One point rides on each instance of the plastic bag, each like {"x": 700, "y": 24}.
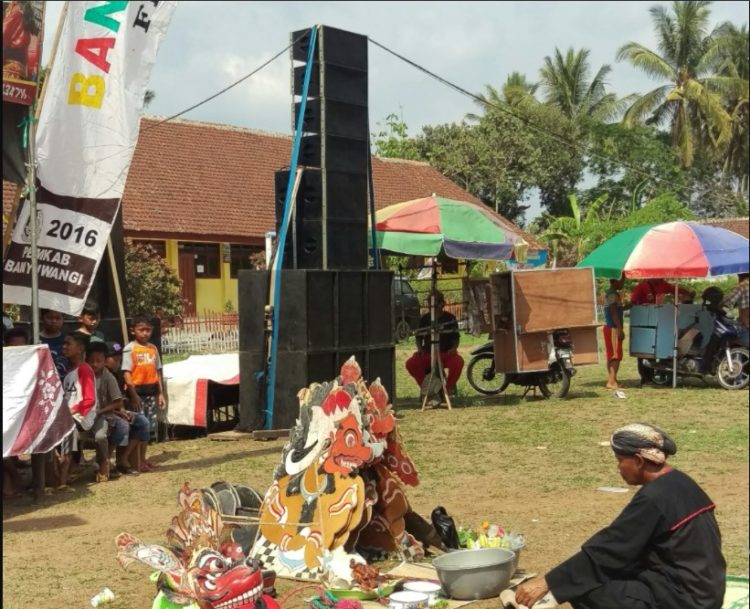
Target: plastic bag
{"x": 445, "y": 527}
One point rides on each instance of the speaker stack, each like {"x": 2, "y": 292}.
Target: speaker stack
{"x": 329, "y": 229}
{"x": 331, "y": 307}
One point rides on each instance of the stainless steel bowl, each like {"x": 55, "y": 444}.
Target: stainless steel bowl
{"x": 470, "y": 575}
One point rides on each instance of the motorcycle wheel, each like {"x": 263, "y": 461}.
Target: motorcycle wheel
{"x": 661, "y": 378}
{"x": 739, "y": 376}
{"x": 403, "y": 330}
{"x": 482, "y": 376}
{"x": 556, "y": 384}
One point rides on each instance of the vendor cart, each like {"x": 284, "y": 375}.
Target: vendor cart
{"x": 528, "y": 306}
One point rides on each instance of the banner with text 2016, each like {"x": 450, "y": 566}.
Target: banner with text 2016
{"x": 87, "y": 132}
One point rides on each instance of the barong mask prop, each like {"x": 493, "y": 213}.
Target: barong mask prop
{"x": 202, "y": 567}
{"x": 327, "y": 488}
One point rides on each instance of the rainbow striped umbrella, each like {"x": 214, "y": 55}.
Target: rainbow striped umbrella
{"x": 674, "y": 249}
{"x": 425, "y": 227}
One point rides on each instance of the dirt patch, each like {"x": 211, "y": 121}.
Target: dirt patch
{"x": 529, "y": 465}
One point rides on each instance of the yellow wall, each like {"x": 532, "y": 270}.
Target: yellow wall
{"x": 210, "y": 294}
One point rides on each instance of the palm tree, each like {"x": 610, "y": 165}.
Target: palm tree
{"x": 733, "y": 64}
{"x": 566, "y": 86}
{"x": 572, "y": 237}
{"x": 690, "y": 98}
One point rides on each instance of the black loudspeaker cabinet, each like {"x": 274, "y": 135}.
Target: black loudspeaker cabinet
{"x": 319, "y": 310}
{"x": 325, "y": 318}
{"x": 297, "y": 369}
{"x": 342, "y": 84}
{"x": 345, "y": 221}
{"x": 337, "y": 47}
{"x": 342, "y": 119}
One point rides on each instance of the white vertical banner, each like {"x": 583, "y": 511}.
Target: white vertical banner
{"x": 86, "y": 137}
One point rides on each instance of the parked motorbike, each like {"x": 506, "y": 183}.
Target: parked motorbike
{"x": 723, "y": 356}
{"x": 553, "y": 382}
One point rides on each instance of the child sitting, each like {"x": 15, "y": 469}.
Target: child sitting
{"x": 139, "y": 426}
{"x": 110, "y": 428}
{"x": 79, "y": 388}
{"x": 50, "y": 334}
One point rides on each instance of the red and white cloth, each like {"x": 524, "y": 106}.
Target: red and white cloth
{"x": 35, "y": 416}
{"x": 187, "y": 384}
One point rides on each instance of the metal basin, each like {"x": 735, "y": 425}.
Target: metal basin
{"x": 470, "y": 575}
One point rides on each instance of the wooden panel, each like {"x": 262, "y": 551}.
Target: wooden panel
{"x": 554, "y": 298}
{"x": 505, "y": 352}
{"x": 533, "y": 352}
{"x": 585, "y": 346}
{"x": 502, "y": 301}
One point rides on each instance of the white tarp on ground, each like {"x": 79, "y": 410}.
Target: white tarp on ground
{"x": 187, "y": 385}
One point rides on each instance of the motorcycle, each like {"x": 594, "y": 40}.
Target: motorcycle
{"x": 553, "y": 382}
{"x": 722, "y": 356}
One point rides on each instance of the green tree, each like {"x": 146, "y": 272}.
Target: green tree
{"x": 689, "y": 99}
{"x": 152, "y": 285}
{"x": 572, "y": 237}
{"x": 393, "y": 141}
{"x": 633, "y": 165}
{"x": 566, "y": 86}
{"x": 732, "y": 58}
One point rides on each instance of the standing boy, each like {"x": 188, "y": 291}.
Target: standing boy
{"x": 50, "y": 334}
{"x": 141, "y": 366}
{"x": 90, "y": 322}
{"x": 614, "y": 331}
{"x": 79, "y": 388}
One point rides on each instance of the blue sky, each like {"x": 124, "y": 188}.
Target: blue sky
{"x": 210, "y": 45}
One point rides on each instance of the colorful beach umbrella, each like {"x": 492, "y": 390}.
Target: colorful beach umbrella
{"x": 671, "y": 250}
{"x": 425, "y": 227}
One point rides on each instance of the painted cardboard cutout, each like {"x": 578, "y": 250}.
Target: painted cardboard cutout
{"x": 340, "y": 476}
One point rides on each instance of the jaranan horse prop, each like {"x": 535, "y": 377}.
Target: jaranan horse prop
{"x": 340, "y": 486}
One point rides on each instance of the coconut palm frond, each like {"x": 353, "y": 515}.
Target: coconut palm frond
{"x": 646, "y": 60}
{"x": 645, "y": 105}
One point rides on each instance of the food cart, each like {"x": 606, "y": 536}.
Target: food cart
{"x": 529, "y": 305}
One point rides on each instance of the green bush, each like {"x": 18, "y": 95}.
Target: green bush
{"x": 152, "y": 285}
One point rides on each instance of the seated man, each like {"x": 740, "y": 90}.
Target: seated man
{"x": 418, "y": 365}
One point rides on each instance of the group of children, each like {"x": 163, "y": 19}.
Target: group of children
{"x": 115, "y": 394}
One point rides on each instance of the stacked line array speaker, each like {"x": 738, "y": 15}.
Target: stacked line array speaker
{"x": 329, "y": 229}
{"x": 325, "y": 318}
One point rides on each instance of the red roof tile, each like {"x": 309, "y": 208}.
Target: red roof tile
{"x": 738, "y": 225}
{"x": 203, "y": 181}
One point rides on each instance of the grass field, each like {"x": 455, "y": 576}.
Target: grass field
{"x": 530, "y": 465}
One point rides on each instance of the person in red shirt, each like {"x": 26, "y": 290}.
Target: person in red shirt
{"x": 79, "y": 387}
{"x": 652, "y": 291}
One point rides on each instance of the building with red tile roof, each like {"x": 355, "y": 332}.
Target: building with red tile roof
{"x": 205, "y": 193}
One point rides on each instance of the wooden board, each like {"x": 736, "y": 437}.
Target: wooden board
{"x": 505, "y": 352}
{"x": 585, "y": 346}
{"x": 554, "y": 298}
{"x": 533, "y": 352}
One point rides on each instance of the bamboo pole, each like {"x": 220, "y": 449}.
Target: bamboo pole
{"x": 118, "y": 291}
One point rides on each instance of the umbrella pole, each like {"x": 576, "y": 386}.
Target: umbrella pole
{"x": 674, "y": 353}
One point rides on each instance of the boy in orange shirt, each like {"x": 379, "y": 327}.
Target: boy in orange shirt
{"x": 141, "y": 365}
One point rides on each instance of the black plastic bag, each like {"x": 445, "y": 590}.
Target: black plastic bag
{"x": 445, "y": 527}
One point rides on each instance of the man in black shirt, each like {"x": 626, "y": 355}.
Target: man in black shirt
{"x": 662, "y": 552}
{"x": 418, "y": 365}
